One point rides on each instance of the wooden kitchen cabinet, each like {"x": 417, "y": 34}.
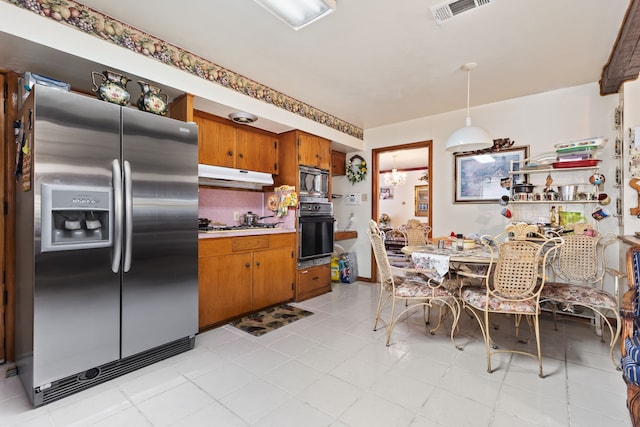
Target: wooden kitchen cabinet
{"x": 223, "y": 143}
{"x": 239, "y": 275}
{"x": 313, "y": 281}
{"x": 273, "y": 276}
{"x": 216, "y": 141}
{"x": 314, "y": 151}
{"x": 257, "y": 151}
{"x": 338, "y": 163}
{"x": 224, "y": 284}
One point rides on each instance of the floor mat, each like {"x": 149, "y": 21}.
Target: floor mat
{"x": 268, "y": 320}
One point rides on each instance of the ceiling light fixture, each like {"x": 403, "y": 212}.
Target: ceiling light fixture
{"x": 298, "y": 13}
{"x": 469, "y": 138}
{"x": 394, "y": 178}
{"x": 243, "y": 118}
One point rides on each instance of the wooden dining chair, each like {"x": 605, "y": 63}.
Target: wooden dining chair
{"x": 414, "y": 290}
{"x": 577, "y": 279}
{"x": 513, "y": 285}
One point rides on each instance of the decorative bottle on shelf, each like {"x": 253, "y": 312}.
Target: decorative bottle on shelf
{"x": 459, "y": 242}
{"x": 552, "y": 217}
{"x": 560, "y": 221}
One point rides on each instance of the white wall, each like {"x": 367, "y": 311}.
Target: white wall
{"x": 539, "y": 121}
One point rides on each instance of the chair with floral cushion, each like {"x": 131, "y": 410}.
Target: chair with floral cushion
{"x": 394, "y": 238}
{"x": 630, "y": 348}
{"x": 577, "y": 280}
{"x": 415, "y": 290}
{"x": 417, "y": 232}
{"x": 394, "y": 241}
{"x": 513, "y": 285}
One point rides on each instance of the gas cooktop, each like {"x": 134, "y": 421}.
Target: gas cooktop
{"x": 235, "y": 227}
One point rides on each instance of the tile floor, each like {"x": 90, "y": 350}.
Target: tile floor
{"x": 331, "y": 369}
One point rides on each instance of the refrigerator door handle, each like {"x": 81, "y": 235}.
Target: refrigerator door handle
{"x": 128, "y": 216}
{"x": 117, "y": 215}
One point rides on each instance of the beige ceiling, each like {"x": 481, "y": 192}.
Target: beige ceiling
{"x": 375, "y": 62}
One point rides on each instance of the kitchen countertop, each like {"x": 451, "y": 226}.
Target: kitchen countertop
{"x": 247, "y": 232}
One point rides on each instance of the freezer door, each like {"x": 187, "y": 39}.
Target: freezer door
{"x": 76, "y": 296}
{"x": 160, "y": 247}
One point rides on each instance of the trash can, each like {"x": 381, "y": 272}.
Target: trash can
{"x": 348, "y": 267}
{"x": 335, "y": 262}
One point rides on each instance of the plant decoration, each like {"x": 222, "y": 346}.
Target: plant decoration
{"x": 385, "y": 220}
{"x": 356, "y": 169}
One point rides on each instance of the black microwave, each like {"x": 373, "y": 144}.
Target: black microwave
{"x": 314, "y": 182}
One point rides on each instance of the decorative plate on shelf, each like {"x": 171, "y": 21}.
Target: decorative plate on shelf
{"x": 575, "y": 164}
{"x": 590, "y": 142}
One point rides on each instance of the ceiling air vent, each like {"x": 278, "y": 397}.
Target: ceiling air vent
{"x": 445, "y": 11}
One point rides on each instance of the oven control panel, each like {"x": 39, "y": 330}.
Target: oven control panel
{"x": 316, "y": 209}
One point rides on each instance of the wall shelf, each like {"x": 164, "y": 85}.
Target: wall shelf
{"x": 345, "y": 235}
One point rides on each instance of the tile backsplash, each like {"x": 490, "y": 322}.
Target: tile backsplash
{"x": 219, "y": 205}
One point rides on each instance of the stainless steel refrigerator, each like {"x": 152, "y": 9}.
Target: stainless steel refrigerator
{"x": 107, "y": 212}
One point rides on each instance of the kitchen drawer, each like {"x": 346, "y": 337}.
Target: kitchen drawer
{"x": 249, "y": 243}
{"x": 227, "y": 245}
{"x": 313, "y": 281}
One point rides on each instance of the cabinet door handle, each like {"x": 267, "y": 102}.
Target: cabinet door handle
{"x": 241, "y": 155}
{"x": 258, "y": 263}
{"x": 247, "y": 265}
{"x": 315, "y": 278}
{"x": 229, "y": 153}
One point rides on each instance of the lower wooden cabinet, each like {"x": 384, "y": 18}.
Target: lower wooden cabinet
{"x": 238, "y": 275}
{"x": 224, "y": 284}
{"x": 273, "y": 276}
{"x": 313, "y": 281}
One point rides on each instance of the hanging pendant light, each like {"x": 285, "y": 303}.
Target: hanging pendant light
{"x": 394, "y": 178}
{"x": 469, "y": 138}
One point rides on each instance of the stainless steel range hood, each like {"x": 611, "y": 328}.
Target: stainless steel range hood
{"x": 219, "y": 176}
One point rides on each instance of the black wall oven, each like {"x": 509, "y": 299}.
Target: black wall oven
{"x": 315, "y": 228}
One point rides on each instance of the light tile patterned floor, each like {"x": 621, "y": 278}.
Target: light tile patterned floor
{"x": 331, "y": 369}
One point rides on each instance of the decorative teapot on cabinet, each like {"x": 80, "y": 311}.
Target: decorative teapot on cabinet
{"x": 151, "y": 100}
{"x": 113, "y": 87}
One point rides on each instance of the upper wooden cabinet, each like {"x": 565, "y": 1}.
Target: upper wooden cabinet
{"x": 256, "y": 151}
{"x": 216, "y": 141}
{"x": 223, "y": 143}
{"x": 314, "y": 151}
{"x": 338, "y": 163}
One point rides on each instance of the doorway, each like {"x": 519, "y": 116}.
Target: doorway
{"x": 408, "y": 200}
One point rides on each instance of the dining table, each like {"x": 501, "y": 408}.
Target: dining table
{"x": 448, "y": 262}
{"x": 477, "y": 255}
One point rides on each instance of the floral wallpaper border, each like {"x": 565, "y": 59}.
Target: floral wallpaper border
{"x": 97, "y": 24}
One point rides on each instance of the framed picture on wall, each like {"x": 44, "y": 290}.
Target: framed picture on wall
{"x": 386, "y": 193}
{"x": 477, "y": 176}
{"x": 422, "y": 200}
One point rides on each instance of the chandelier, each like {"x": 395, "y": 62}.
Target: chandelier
{"x": 394, "y": 177}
